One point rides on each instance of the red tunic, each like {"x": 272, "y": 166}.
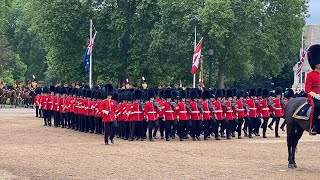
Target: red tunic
{"x": 182, "y": 112}
{"x": 56, "y": 103}
{"x": 241, "y": 111}
{"x": 97, "y": 113}
{"x": 49, "y": 102}
{"x": 196, "y": 113}
{"x": 110, "y": 106}
{"x": 169, "y": 114}
{"x": 86, "y": 107}
{"x": 37, "y": 100}
{"x": 228, "y": 111}
{"x": 218, "y": 112}
{"x": 207, "y": 114}
{"x": 62, "y": 103}
{"x": 265, "y": 110}
{"x": 161, "y": 103}
{"x": 150, "y": 112}
{"x": 253, "y": 110}
{"x": 312, "y": 83}
{"x": 135, "y": 112}
{"x": 278, "y": 112}
{"x": 43, "y": 102}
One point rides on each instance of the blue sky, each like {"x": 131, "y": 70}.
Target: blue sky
{"x": 314, "y": 12}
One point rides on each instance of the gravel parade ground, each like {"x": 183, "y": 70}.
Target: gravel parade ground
{"x": 29, "y": 150}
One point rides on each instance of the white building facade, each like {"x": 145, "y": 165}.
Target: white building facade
{"x": 311, "y": 36}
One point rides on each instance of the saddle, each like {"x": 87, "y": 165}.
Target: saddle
{"x": 303, "y": 112}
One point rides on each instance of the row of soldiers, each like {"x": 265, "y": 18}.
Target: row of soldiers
{"x": 132, "y": 113}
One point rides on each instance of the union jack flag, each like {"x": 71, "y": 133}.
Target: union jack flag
{"x": 301, "y": 61}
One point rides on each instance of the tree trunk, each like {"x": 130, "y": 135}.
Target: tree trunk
{"x": 220, "y": 78}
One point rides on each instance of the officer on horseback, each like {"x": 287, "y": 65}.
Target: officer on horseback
{"x": 312, "y": 87}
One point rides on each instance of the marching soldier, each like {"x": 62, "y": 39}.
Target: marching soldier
{"x": 206, "y": 113}
{"x": 265, "y": 110}
{"x": 63, "y": 107}
{"x": 218, "y": 112}
{"x": 196, "y": 115}
{"x": 44, "y": 105}
{"x": 228, "y": 111}
{"x": 183, "y": 115}
{"x": 151, "y": 110}
{"x": 279, "y": 109}
{"x": 56, "y": 107}
{"x": 253, "y": 112}
{"x": 241, "y": 111}
{"x": 108, "y": 109}
{"x": 37, "y": 102}
{"x": 169, "y": 113}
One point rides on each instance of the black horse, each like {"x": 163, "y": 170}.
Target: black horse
{"x": 295, "y": 128}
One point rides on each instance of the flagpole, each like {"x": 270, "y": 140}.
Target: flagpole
{"x": 303, "y": 64}
{"x": 195, "y": 46}
{"x": 90, "y": 65}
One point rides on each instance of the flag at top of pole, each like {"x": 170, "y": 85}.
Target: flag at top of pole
{"x": 196, "y": 57}
{"x": 301, "y": 61}
{"x": 86, "y": 59}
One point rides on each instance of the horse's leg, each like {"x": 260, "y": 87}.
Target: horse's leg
{"x": 298, "y": 135}
{"x": 290, "y": 140}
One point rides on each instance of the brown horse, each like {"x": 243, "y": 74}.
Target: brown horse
{"x": 295, "y": 128}
{"x": 3, "y": 98}
{"x": 13, "y": 99}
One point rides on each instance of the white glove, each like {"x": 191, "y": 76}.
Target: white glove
{"x": 106, "y": 112}
{"x": 317, "y": 96}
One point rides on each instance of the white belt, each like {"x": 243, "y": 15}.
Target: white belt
{"x": 219, "y": 111}
{"x": 169, "y": 111}
{"x": 183, "y": 111}
{"x": 278, "y": 108}
{"x": 241, "y": 109}
{"x": 136, "y": 112}
{"x": 206, "y": 111}
{"x": 152, "y": 112}
{"x": 265, "y": 109}
{"x": 229, "y": 111}
{"x": 253, "y": 108}
{"x": 195, "y": 112}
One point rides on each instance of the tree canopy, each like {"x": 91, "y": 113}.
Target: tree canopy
{"x": 151, "y": 38}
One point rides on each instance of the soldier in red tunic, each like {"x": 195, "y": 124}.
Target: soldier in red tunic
{"x": 151, "y": 111}
{"x": 169, "y": 113}
{"x": 278, "y": 109}
{"x": 183, "y": 115}
{"x": 265, "y": 110}
{"x": 207, "y": 113}
{"x": 108, "y": 109}
{"x": 219, "y": 116}
{"x": 241, "y": 112}
{"x": 196, "y": 115}
{"x": 312, "y": 87}
{"x": 44, "y": 105}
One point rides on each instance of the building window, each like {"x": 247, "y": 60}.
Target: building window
{"x": 303, "y": 77}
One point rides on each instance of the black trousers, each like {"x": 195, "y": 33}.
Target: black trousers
{"x": 239, "y": 127}
{"x": 229, "y": 126}
{"x": 86, "y": 123}
{"x": 145, "y": 126}
{"x": 316, "y": 114}
{"x": 276, "y": 130}
{"x": 56, "y": 118}
{"x": 98, "y": 125}
{"x": 248, "y": 125}
{"x": 206, "y": 128}
{"x": 70, "y": 120}
{"x": 196, "y": 128}
{"x": 109, "y": 130}
{"x": 136, "y": 129}
{"x": 76, "y": 121}
{"x": 256, "y": 122}
{"x": 63, "y": 120}
{"x": 38, "y": 112}
{"x": 218, "y": 123}
{"x": 168, "y": 126}
{"x": 183, "y": 128}
{"x": 46, "y": 115}
{"x": 265, "y": 126}
{"x": 161, "y": 126}
{"x": 127, "y": 133}
{"x": 152, "y": 125}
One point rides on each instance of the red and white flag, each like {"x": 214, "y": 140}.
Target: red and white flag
{"x": 301, "y": 62}
{"x": 196, "y": 58}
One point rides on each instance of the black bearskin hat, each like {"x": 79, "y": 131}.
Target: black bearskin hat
{"x": 252, "y": 92}
{"x": 137, "y": 94}
{"x": 234, "y": 90}
{"x": 194, "y": 94}
{"x": 57, "y": 90}
{"x": 167, "y": 93}
{"x": 52, "y": 89}
{"x": 88, "y": 93}
{"x": 161, "y": 94}
{"x": 259, "y": 92}
{"x": 63, "y": 91}
{"x": 219, "y": 93}
{"x": 70, "y": 91}
{"x": 83, "y": 93}
{"x": 151, "y": 94}
{"x": 38, "y": 91}
{"x": 314, "y": 55}
{"x": 183, "y": 94}
{"x": 199, "y": 93}
{"x": 265, "y": 93}
{"x": 212, "y": 94}
{"x": 93, "y": 94}
{"x": 229, "y": 93}
{"x": 223, "y": 92}
{"x": 206, "y": 94}
{"x": 45, "y": 89}
{"x": 100, "y": 95}
{"x": 175, "y": 94}
{"x": 289, "y": 93}
{"x": 108, "y": 90}
{"x": 278, "y": 91}
{"x": 240, "y": 94}
{"x": 115, "y": 96}
{"x": 74, "y": 91}
{"x": 128, "y": 96}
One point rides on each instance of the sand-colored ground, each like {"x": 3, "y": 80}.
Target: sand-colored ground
{"x": 29, "y": 150}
